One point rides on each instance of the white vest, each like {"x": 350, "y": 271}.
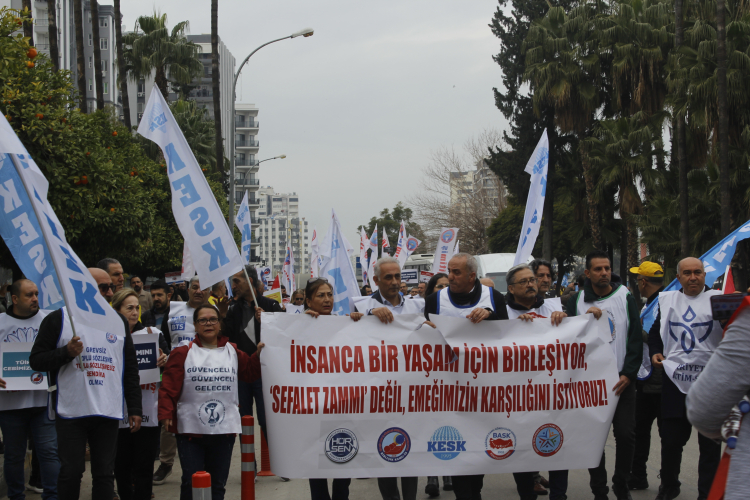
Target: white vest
{"x": 689, "y": 334}
{"x": 180, "y": 323}
{"x": 97, "y": 391}
{"x": 149, "y": 396}
{"x": 406, "y": 306}
{"x": 21, "y": 330}
{"x": 615, "y": 310}
{"x": 209, "y": 402}
{"x": 545, "y": 311}
{"x": 446, "y": 307}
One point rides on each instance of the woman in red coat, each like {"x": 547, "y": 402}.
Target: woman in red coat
{"x": 198, "y": 400}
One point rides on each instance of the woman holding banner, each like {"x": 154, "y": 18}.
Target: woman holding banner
{"x": 134, "y": 466}
{"x": 319, "y": 302}
{"x": 199, "y": 402}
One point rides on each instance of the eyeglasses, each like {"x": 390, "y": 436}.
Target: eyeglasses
{"x": 208, "y": 321}
{"x": 524, "y": 282}
{"x": 103, "y": 287}
{"x": 298, "y": 299}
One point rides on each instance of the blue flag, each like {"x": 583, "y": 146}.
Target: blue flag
{"x": 564, "y": 281}
{"x": 714, "y": 262}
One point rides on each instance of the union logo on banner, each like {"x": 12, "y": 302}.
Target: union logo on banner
{"x": 447, "y": 236}
{"x": 411, "y": 244}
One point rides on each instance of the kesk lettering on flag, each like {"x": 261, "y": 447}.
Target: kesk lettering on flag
{"x": 86, "y": 306}
{"x": 195, "y": 209}
{"x": 244, "y": 224}
{"x": 532, "y": 218}
{"x": 444, "y": 250}
{"x": 337, "y": 268}
{"x": 400, "y": 399}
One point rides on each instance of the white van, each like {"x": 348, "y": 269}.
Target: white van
{"x": 419, "y": 261}
{"x": 495, "y": 266}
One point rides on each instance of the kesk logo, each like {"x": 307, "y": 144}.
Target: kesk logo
{"x": 446, "y": 443}
{"x": 447, "y": 236}
{"x": 37, "y": 378}
{"x": 211, "y": 412}
{"x": 111, "y": 338}
{"x": 548, "y": 440}
{"x": 158, "y": 118}
{"x": 500, "y": 443}
{"x": 341, "y": 446}
{"x": 394, "y": 444}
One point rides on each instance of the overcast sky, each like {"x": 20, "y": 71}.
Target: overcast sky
{"x": 357, "y": 107}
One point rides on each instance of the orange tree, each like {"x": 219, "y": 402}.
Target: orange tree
{"x": 111, "y": 198}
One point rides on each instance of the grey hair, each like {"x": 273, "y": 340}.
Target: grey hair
{"x": 194, "y": 278}
{"x": 514, "y": 270}
{"x": 384, "y": 260}
{"x": 471, "y": 262}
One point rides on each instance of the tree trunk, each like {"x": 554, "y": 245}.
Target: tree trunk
{"x": 216, "y": 88}
{"x": 721, "y": 91}
{"x": 80, "y": 60}
{"x": 54, "y": 50}
{"x": 623, "y": 271}
{"x": 160, "y": 79}
{"x": 549, "y": 199}
{"x": 28, "y": 26}
{"x": 682, "y": 145}
{"x": 122, "y": 77}
{"x": 593, "y": 211}
{"x": 97, "y": 55}
{"x": 633, "y": 257}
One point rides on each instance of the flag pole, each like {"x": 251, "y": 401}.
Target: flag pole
{"x": 252, "y": 288}
{"x": 14, "y": 159}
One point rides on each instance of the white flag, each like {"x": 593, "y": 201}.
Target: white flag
{"x": 188, "y": 270}
{"x": 244, "y": 224}
{"x": 373, "y": 258}
{"x": 455, "y": 249}
{"x": 444, "y": 250}
{"x": 288, "y": 279}
{"x": 315, "y": 257}
{"x": 195, "y": 209}
{"x": 337, "y": 268}
{"x": 363, "y": 245}
{"x": 532, "y": 218}
{"x": 85, "y": 305}
{"x": 386, "y": 243}
{"x": 411, "y": 245}
{"x": 400, "y": 254}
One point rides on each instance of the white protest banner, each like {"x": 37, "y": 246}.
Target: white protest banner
{"x": 195, "y": 209}
{"x": 292, "y": 309}
{"x": 147, "y": 352}
{"x": 264, "y": 273}
{"x": 532, "y": 218}
{"x": 367, "y": 399}
{"x": 85, "y": 304}
{"x": 337, "y": 268}
{"x": 16, "y": 370}
{"x": 424, "y": 276}
{"x": 410, "y": 276}
{"x": 244, "y": 224}
{"x": 444, "y": 250}
{"x": 173, "y": 277}
{"x": 400, "y": 253}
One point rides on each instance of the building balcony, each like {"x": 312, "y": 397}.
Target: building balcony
{"x": 246, "y": 144}
{"x": 246, "y": 182}
{"x": 246, "y": 123}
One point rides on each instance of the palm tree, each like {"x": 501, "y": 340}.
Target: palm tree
{"x": 54, "y": 51}
{"x": 97, "y": 55}
{"x": 169, "y": 54}
{"x": 215, "y": 83}
{"x": 721, "y": 94}
{"x": 122, "y": 75}
{"x": 198, "y": 129}
{"x": 679, "y": 28}
{"x": 80, "y": 61}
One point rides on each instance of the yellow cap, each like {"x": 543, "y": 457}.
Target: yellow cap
{"x": 650, "y": 269}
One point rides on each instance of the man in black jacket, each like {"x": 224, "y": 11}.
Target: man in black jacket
{"x": 100, "y": 432}
{"x": 159, "y": 314}
{"x": 246, "y": 334}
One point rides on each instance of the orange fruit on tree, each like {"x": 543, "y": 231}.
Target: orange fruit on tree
{"x": 40, "y": 116}
{"x": 32, "y": 53}
{"x": 29, "y": 64}
{"x": 114, "y": 133}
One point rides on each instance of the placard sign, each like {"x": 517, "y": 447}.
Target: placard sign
{"x": 16, "y": 370}
{"x": 147, "y": 352}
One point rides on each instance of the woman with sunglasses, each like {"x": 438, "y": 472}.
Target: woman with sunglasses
{"x": 319, "y": 302}
{"x": 298, "y": 298}
{"x": 436, "y": 283}
{"x": 199, "y": 402}
{"x": 133, "y": 474}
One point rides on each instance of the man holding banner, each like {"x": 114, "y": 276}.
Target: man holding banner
{"x": 88, "y": 403}
{"x": 24, "y": 412}
{"x": 681, "y": 340}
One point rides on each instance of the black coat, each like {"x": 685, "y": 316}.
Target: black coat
{"x": 234, "y": 329}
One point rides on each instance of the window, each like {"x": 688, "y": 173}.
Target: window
{"x": 103, "y": 43}
{"x": 91, "y": 38}
{"x": 102, "y": 22}
{"x": 106, "y": 88}
{"x": 141, "y": 106}
{"x": 91, "y": 87}
{"x": 91, "y": 61}
{"x": 105, "y": 64}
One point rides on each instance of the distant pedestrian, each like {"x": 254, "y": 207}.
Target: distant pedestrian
{"x": 144, "y": 297}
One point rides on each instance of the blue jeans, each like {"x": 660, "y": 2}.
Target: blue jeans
{"x": 16, "y": 425}
{"x": 210, "y": 453}
{"x": 248, "y": 392}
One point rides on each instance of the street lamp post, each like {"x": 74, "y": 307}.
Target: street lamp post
{"x": 230, "y": 216}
